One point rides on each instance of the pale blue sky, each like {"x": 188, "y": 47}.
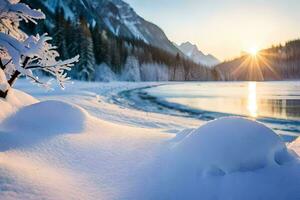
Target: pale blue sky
{"x": 224, "y": 27}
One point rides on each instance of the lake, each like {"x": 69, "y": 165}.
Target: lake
{"x": 277, "y": 104}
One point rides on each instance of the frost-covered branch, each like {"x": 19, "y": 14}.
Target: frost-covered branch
{"x": 57, "y": 69}
{"x": 12, "y": 12}
{"x": 24, "y": 54}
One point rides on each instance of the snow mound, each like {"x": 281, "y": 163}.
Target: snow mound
{"x": 14, "y": 101}
{"x": 231, "y": 145}
{"x": 57, "y": 116}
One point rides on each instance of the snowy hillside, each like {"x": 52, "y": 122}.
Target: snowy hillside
{"x": 192, "y": 52}
{"x": 93, "y": 148}
{"x": 117, "y": 17}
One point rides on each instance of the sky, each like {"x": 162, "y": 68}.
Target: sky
{"x": 224, "y": 28}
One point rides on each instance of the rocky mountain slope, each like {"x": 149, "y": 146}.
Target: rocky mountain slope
{"x": 114, "y": 43}
{"x": 116, "y": 16}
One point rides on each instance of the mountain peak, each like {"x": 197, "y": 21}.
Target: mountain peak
{"x": 193, "y": 52}
{"x": 189, "y": 46}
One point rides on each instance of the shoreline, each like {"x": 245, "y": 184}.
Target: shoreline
{"x": 141, "y": 100}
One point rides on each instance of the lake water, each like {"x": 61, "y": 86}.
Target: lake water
{"x": 275, "y": 103}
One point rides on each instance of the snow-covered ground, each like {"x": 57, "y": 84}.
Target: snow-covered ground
{"x": 81, "y": 144}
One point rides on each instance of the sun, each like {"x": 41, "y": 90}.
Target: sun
{"x": 253, "y": 51}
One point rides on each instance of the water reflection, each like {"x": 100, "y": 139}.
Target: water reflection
{"x": 279, "y": 100}
{"x": 252, "y": 99}
{"x": 272, "y": 106}
{"x": 280, "y": 108}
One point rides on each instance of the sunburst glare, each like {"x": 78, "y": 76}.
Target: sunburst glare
{"x": 253, "y": 51}
{"x": 255, "y": 64}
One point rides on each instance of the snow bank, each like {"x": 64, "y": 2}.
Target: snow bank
{"x": 102, "y": 161}
{"x": 14, "y": 100}
{"x": 57, "y": 116}
{"x": 229, "y": 159}
{"x": 231, "y": 145}
{"x": 40, "y": 122}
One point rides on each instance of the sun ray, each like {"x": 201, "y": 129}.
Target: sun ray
{"x": 244, "y": 64}
{"x": 256, "y": 65}
{"x": 263, "y": 57}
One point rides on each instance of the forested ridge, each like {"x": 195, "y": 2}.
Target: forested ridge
{"x": 97, "y": 46}
{"x": 281, "y": 62}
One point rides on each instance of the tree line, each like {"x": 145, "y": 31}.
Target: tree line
{"x": 281, "y": 62}
{"x": 96, "y": 46}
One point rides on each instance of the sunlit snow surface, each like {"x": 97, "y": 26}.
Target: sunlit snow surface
{"x": 88, "y": 146}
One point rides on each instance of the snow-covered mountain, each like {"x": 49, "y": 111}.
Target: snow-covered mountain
{"x": 115, "y": 16}
{"x": 192, "y": 52}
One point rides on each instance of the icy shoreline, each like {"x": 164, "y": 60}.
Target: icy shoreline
{"x": 93, "y": 148}
{"x": 140, "y": 99}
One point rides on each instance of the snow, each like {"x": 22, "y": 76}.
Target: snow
{"x": 133, "y": 27}
{"x": 26, "y": 53}
{"x": 192, "y": 52}
{"x": 131, "y": 70}
{"x": 86, "y": 143}
{"x": 37, "y": 116}
{"x": 229, "y": 158}
{"x": 20, "y": 9}
{"x": 103, "y": 161}
{"x": 226, "y": 145}
{"x": 3, "y": 84}
{"x": 14, "y": 100}
{"x": 53, "y": 4}
{"x": 154, "y": 71}
{"x": 295, "y": 146}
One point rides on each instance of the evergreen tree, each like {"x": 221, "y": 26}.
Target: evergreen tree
{"x": 86, "y": 66}
{"x": 97, "y": 46}
{"x": 59, "y": 34}
{"x": 100, "y": 45}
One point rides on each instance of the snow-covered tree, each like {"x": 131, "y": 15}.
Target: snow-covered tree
{"x": 21, "y": 54}
{"x": 131, "y": 71}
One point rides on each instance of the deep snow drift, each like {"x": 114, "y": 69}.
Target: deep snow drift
{"x": 75, "y": 156}
{"x": 229, "y": 158}
{"x": 57, "y": 150}
{"x": 232, "y": 145}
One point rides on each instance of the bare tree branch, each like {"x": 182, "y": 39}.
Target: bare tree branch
{"x": 8, "y": 62}
{"x": 1, "y": 65}
{"x": 16, "y": 74}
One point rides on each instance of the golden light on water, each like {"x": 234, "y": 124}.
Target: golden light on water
{"x": 252, "y": 99}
